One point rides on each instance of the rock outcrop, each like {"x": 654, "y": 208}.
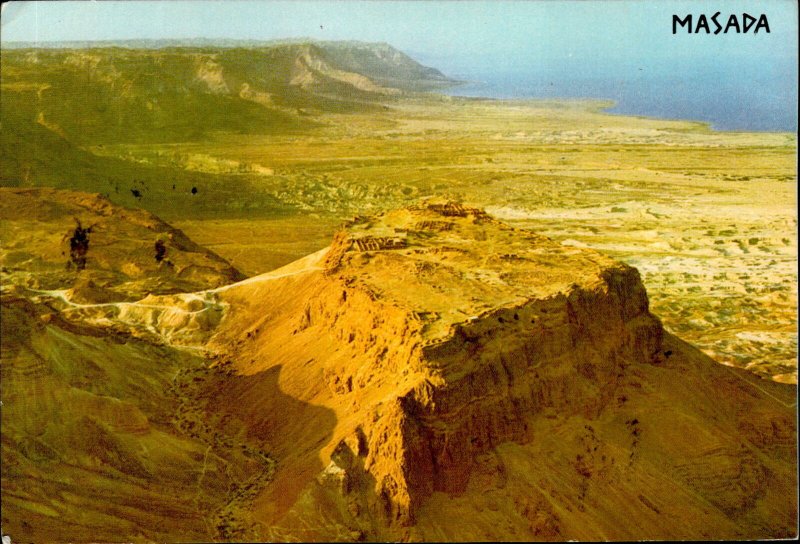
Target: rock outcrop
{"x": 442, "y": 336}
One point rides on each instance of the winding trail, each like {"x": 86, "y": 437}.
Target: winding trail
{"x": 61, "y": 294}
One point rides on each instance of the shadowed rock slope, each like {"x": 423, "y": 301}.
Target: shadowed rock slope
{"x": 432, "y": 375}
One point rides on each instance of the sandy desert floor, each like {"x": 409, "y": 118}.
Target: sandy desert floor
{"x": 709, "y": 218}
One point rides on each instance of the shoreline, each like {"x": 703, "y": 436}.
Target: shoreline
{"x": 606, "y": 109}
{"x": 711, "y": 125}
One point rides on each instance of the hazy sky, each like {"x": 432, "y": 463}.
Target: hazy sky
{"x": 509, "y": 33}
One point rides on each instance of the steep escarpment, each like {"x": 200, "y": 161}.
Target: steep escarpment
{"x": 385, "y": 65}
{"x": 515, "y": 363}
{"x": 441, "y": 339}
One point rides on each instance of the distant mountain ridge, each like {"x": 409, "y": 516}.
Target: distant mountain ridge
{"x": 384, "y": 64}
{"x": 176, "y": 90}
{"x": 367, "y": 58}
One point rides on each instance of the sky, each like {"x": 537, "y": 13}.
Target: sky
{"x": 511, "y": 33}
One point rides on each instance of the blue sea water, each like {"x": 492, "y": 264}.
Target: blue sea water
{"x": 741, "y": 100}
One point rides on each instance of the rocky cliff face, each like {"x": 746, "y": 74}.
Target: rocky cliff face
{"x": 512, "y": 364}
{"x": 443, "y": 336}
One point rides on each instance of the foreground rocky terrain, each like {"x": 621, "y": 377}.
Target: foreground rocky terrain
{"x": 433, "y": 374}
{"x": 118, "y": 259}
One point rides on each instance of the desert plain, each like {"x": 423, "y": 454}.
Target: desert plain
{"x": 709, "y": 218}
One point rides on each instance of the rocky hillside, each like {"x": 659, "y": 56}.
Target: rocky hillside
{"x": 432, "y": 375}
{"x": 379, "y": 61}
{"x": 385, "y": 65}
{"x": 113, "y": 95}
{"x": 63, "y": 109}
{"x": 100, "y": 435}
{"x": 55, "y": 239}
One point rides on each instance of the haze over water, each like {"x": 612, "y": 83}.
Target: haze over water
{"x": 751, "y": 102}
